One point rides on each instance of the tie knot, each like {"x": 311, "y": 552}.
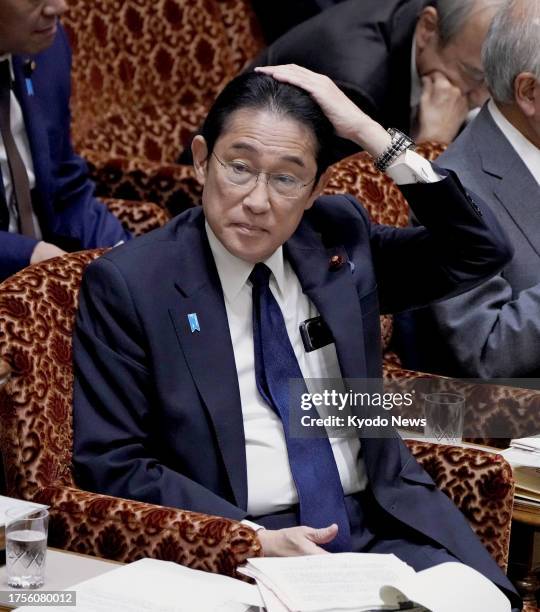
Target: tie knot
{"x": 260, "y": 275}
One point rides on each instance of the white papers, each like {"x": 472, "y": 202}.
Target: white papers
{"x": 524, "y": 457}
{"x": 150, "y": 585}
{"x": 528, "y": 444}
{"x": 344, "y": 581}
{"x": 6, "y": 503}
{"x": 449, "y": 587}
{"x": 519, "y": 457}
{"x": 356, "y": 582}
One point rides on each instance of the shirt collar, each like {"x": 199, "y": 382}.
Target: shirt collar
{"x": 7, "y": 56}
{"x": 234, "y": 272}
{"x": 527, "y": 151}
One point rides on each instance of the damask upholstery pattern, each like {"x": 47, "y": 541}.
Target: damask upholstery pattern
{"x": 480, "y": 484}
{"x": 172, "y": 186}
{"x": 37, "y": 308}
{"x": 144, "y": 73}
{"x": 138, "y": 217}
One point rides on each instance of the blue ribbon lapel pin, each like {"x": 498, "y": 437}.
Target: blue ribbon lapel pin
{"x": 193, "y": 322}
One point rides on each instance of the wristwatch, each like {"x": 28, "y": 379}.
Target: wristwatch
{"x": 400, "y": 142}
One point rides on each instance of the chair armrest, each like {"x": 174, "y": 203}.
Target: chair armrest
{"x": 171, "y": 186}
{"x": 480, "y": 483}
{"x": 126, "y": 530}
{"x": 138, "y": 217}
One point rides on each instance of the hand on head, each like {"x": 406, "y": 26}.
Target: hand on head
{"x": 348, "y": 120}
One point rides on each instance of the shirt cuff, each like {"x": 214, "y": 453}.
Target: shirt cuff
{"x": 253, "y": 526}
{"x": 410, "y": 167}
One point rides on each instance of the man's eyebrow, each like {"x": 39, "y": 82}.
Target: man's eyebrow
{"x": 244, "y": 146}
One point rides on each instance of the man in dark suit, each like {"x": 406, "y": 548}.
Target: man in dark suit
{"x": 47, "y": 204}
{"x": 280, "y": 16}
{"x": 494, "y": 330}
{"x": 186, "y": 339}
{"x": 413, "y": 64}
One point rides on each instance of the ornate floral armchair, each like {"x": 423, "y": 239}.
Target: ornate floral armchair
{"x": 37, "y": 308}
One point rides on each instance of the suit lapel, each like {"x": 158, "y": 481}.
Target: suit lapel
{"x": 519, "y": 193}
{"x": 334, "y": 294}
{"x": 513, "y": 184}
{"x": 209, "y": 352}
{"x": 35, "y": 129}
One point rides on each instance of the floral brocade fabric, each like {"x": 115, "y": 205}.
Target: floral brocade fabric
{"x": 145, "y": 73}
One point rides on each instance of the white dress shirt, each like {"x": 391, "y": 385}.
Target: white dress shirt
{"x": 527, "y": 151}
{"x": 270, "y": 483}
{"x": 21, "y": 140}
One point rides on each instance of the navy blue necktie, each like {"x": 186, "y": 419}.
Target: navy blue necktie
{"x": 312, "y": 462}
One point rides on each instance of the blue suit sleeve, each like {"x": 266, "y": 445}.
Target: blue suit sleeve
{"x": 79, "y": 214}
{"x": 15, "y": 253}
{"x": 458, "y": 246}
{"x": 114, "y": 404}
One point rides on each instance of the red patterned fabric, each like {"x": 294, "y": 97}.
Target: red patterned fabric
{"x": 480, "y": 483}
{"x": 145, "y": 73}
{"x": 138, "y": 217}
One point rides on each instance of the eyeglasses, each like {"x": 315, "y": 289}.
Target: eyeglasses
{"x": 240, "y": 174}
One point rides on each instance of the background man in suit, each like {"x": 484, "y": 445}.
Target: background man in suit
{"x": 46, "y": 199}
{"x": 413, "y": 64}
{"x": 494, "y": 330}
{"x": 186, "y": 338}
{"x": 280, "y": 16}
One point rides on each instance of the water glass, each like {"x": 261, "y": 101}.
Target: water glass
{"x": 26, "y": 547}
{"x": 444, "y": 417}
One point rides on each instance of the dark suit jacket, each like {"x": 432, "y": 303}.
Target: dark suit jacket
{"x": 279, "y": 16}
{"x": 63, "y": 199}
{"x": 365, "y": 47}
{"x": 493, "y": 330}
{"x": 157, "y": 413}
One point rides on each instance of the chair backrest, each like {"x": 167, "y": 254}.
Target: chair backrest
{"x": 37, "y": 311}
{"x": 141, "y": 64}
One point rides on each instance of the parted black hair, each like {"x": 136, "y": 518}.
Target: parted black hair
{"x": 258, "y": 91}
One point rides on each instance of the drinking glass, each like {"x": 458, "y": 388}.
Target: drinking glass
{"x": 26, "y": 547}
{"x": 444, "y": 417}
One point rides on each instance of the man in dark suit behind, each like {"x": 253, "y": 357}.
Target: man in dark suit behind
{"x": 494, "y": 330}
{"x": 47, "y": 204}
{"x": 186, "y": 338}
{"x": 412, "y": 64}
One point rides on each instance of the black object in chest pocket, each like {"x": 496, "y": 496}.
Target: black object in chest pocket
{"x": 315, "y": 334}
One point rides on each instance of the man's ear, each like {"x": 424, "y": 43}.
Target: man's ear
{"x": 319, "y": 188}
{"x": 526, "y": 93}
{"x": 427, "y": 28}
{"x": 199, "y": 151}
